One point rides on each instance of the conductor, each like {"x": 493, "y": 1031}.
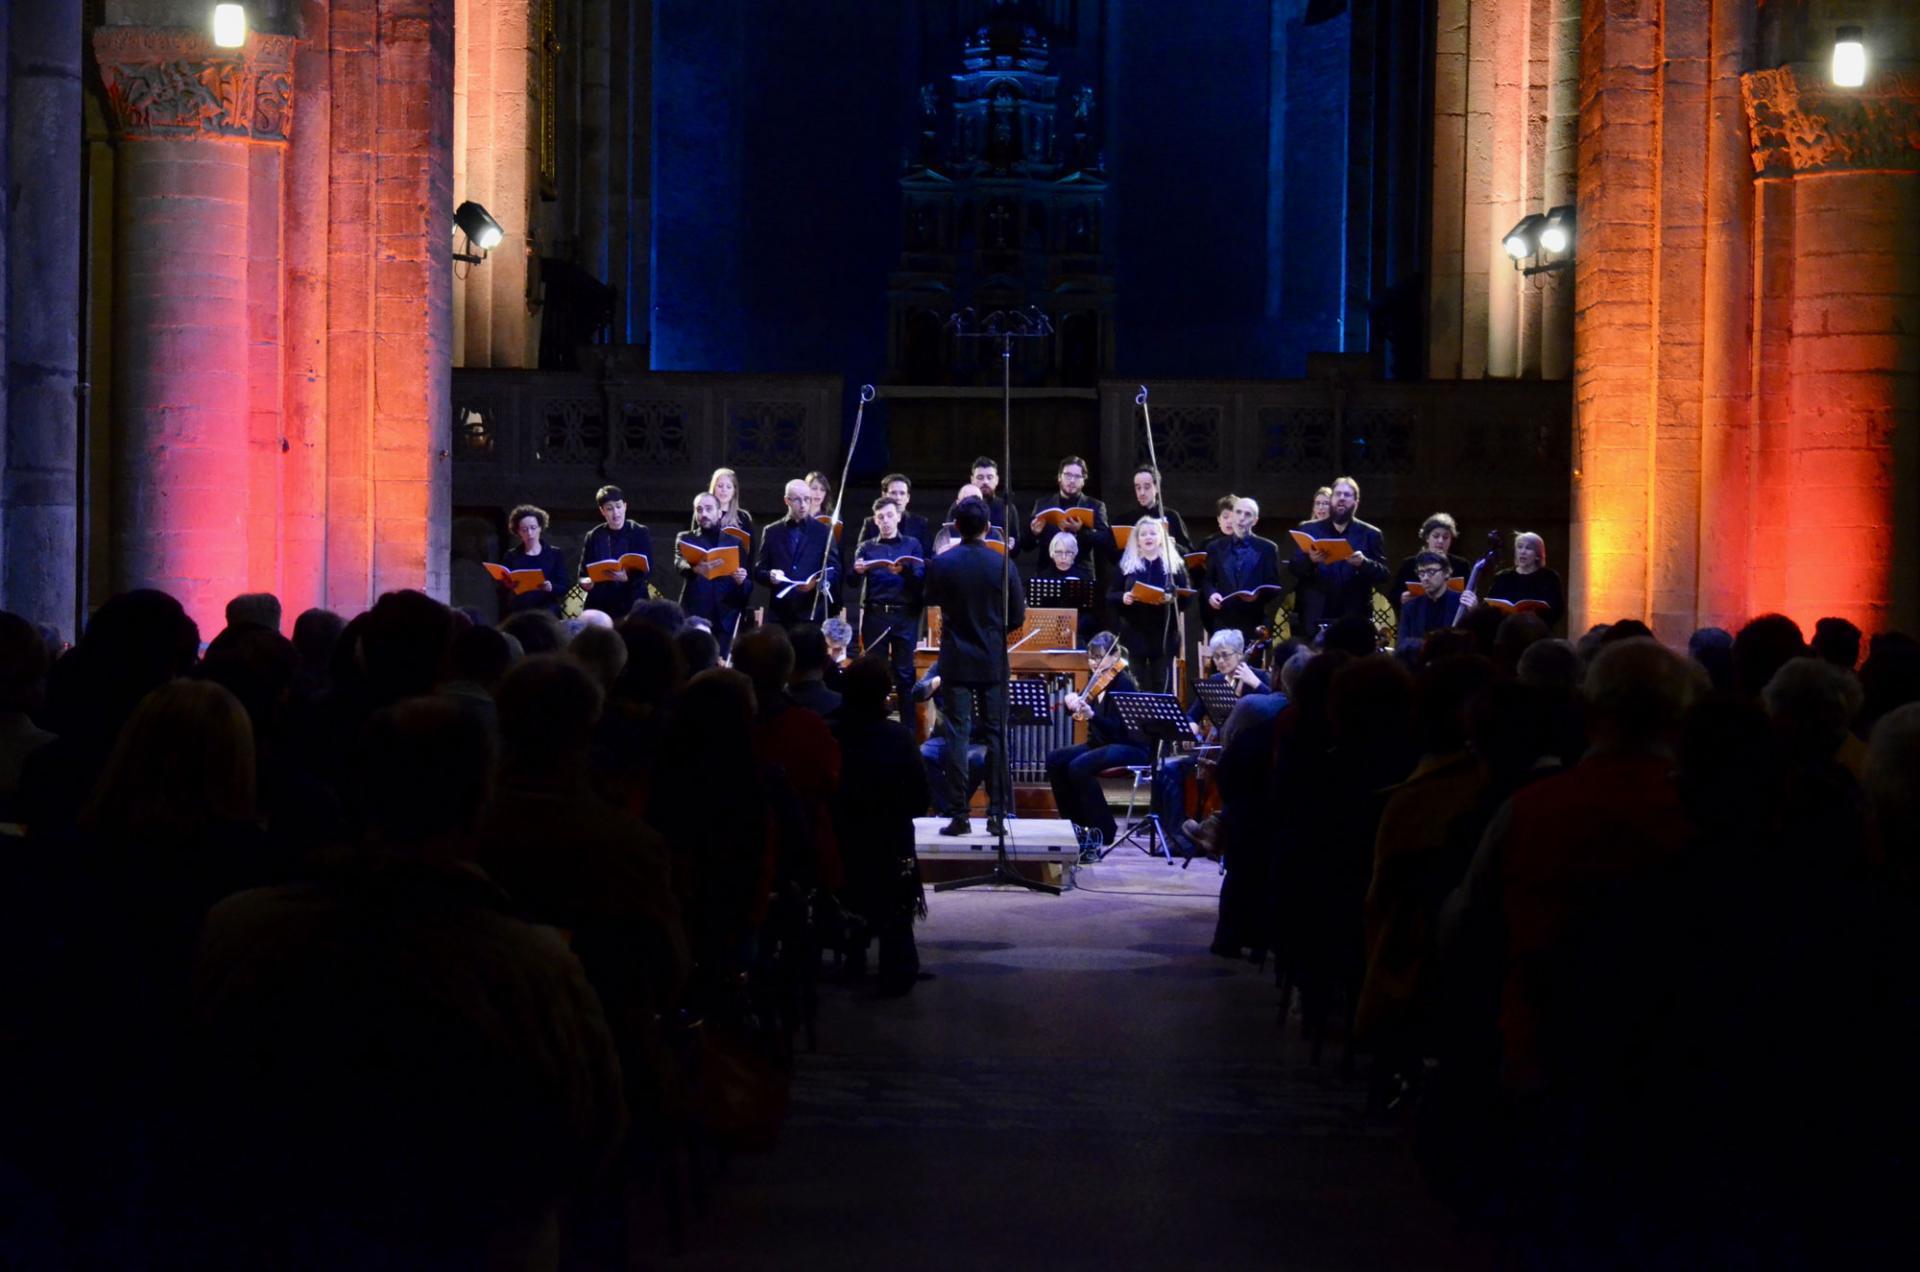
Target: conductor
{"x": 981, "y": 598}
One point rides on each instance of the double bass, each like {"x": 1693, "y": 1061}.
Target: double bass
{"x": 1473, "y": 575}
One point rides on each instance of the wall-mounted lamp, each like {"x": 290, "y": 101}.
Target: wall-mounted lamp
{"x": 230, "y": 26}
{"x": 480, "y": 229}
{"x": 1543, "y": 237}
{"x": 1849, "y": 57}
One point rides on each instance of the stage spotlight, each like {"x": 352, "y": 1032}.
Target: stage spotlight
{"x": 1557, "y": 234}
{"x": 1523, "y": 240}
{"x": 1849, "y": 57}
{"x": 230, "y": 25}
{"x": 481, "y": 230}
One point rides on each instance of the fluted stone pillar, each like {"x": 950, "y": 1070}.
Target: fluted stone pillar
{"x": 1844, "y": 166}
{"x": 42, "y": 342}
{"x": 188, "y": 117}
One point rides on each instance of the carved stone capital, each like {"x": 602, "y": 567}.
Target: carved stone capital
{"x": 1800, "y": 122}
{"x": 173, "y": 82}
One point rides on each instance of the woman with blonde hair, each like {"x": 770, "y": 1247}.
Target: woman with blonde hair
{"x": 1148, "y": 599}
{"x": 1529, "y": 585}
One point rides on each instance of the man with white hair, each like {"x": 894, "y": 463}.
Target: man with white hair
{"x": 1243, "y": 575}
{"x": 797, "y": 564}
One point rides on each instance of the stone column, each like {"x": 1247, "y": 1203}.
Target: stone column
{"x": 1726, "y": 437}
{"x": 42, "y": 334}
{"x": 1849, "y": 164}
{"x": 303, "y": 486}
{"x": 187, "y": 116}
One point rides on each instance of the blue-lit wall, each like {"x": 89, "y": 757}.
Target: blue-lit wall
{"x": 778, "y": 133}
{"x": 777, "y": 136}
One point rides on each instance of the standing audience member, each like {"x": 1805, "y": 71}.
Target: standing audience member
{"x": 23, "y": 685}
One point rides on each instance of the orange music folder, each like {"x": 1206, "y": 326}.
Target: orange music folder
{"x": 632, "y": 563}
{"x": 521, "y": 581}
{"x": 710, "y": 563}
{"x": 1065, "y": 518}
{"x": 1147, "y": 594}
{"x": 1519, "y": 607}
{"x": 1455, "y": 584}
{"x": 1335, "y": 549}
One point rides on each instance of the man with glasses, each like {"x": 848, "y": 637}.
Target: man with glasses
{"x": 797, "y": 563}
{"x": 1435, "y": 605}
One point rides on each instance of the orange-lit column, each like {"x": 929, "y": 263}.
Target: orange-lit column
{"x": 1614, "y": 312}
{"x": 188, "y": 117}
{"x": 1849, "y": 162}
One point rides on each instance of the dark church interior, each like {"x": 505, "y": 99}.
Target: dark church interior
{"x": 708, "y": 634}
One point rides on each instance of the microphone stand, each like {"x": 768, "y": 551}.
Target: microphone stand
{"x": 822, "y": 596}
{"x": 1005, "y": 326}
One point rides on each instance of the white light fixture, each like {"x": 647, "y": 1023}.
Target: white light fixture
{"x": 482, "y": 231}
{"x": 1523, "y": 240}
{"x": 230, "y": 25}
{"x": 1849, "y": 57}
{"x": 1557, "y": 234}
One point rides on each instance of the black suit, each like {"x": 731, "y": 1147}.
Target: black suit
{"x": 1235, "y": 565}
{"x": 1329, "y": 593}
{"x": 720, "y": 601}
{"x": 800, "y": 552}
{"x": 967, "y": 583}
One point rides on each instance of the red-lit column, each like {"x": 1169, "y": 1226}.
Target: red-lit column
{"x": 1844, "y": 164}
{"x": 188, "y": 116}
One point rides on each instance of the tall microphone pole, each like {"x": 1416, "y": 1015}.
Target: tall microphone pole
{"x": 1166, "y": 541}
{"x": 822, "y": 602}
{"x": 1004, "y": 326}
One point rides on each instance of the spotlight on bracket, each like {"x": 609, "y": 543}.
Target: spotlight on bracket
{"x": 1849, "y": 57}
{"x": 230, "y": 26}
{"x": 1523, "y": 240}
{"x": 480, "y": 229}
{"x": 1546, "y": 238}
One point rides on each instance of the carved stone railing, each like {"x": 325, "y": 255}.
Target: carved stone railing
{"x": 1489, "y": 449}
{"x": 551, "y": 437}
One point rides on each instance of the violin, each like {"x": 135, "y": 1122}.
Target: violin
{"x": 1081, "y": 704}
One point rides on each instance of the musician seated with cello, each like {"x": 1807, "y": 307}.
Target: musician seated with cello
{"x": 1178, "y": 792}
{"x": 1434, "y": 605}
{"x": 1074, "y": 771}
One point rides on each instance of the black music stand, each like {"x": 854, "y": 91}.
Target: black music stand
{"x": 1219, "y": 698}
{"x": 1161, "y": 717}
{"x": 1028, "y": 702}
{"x": 1059, "y": 594}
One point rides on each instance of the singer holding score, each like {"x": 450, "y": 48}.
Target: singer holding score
{"x": 892, "y": 568}
{"x": 1147, "y": 595}
{"x": 796, "y": 562}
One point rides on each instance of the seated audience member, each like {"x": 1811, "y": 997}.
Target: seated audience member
{"x": 603, "y": 652}
{"x": 1550, "y": 664}
{"x": 262, "y": 609}
{"x": 698, "y": 648}
{"x": 539, "y": 634}
{"x": 1074, "y": 771}
{"x": 807, "y": 685}
{"x": 1890, "y": 677}
{"x": 570, "y": 859}
{"x": 797, "y": 744}
{"x": 660, "y": 612}
{"x": 1837, "y": 641}
{"x": 1813, "y": 703}
{"x": 1762, "y": 647}
{"x": 1516, "y": 634}
{"x": 1712, "y": 648}
{"x": 1892, "y": 786}
{"x": 883, "y": 788}
{"x": 134, "y": 643}
{"x": 316, "y": 633}
{"x": 480, "y": 658}
{"x": 388, "y": 1068}
{"x": 23, "y": 677}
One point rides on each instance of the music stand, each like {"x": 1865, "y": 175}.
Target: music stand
{"x": 1076, "y": 594}
{"x": 1219, "y": 698}
{"x": 1161, "y": 717}
{"x": 1028, "y": 702}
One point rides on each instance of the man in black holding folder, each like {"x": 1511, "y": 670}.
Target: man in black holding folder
{"x": 1071, "y": 495}
{"x": 981, "y": 599}
{"x": 610, "y": 541}
{"x": 721, "y": 599}
{"x": 792, "y": 551}
{"x": 893, "y": 566}
{"x": 1338, "y": 583}
{"x": 1243, "y": 575}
